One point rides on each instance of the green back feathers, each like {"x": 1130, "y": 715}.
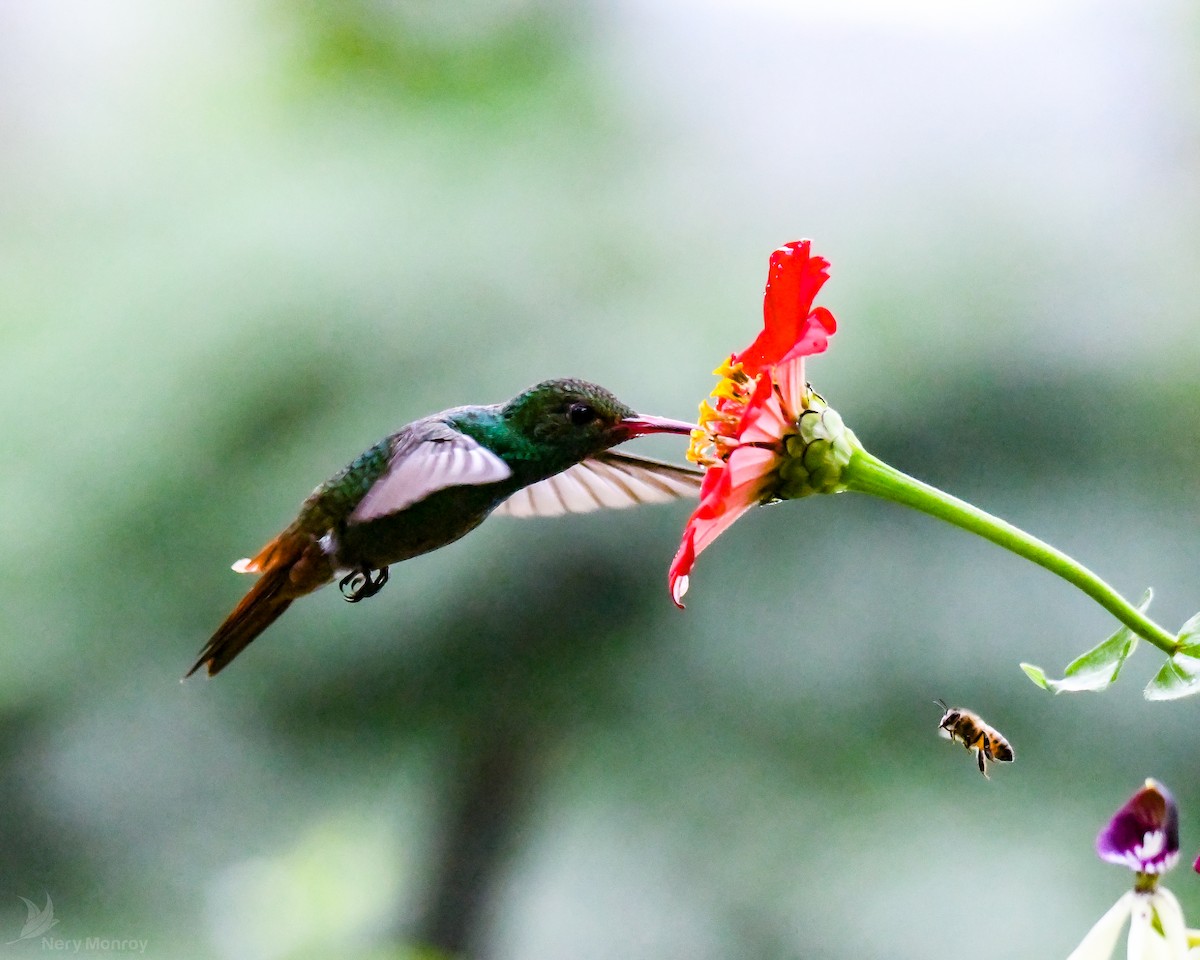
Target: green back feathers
{"x": 333, "y": 500}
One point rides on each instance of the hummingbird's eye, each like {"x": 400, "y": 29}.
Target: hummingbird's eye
{"x": 581, "y": 413}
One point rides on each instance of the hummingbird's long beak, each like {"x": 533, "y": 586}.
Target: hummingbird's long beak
{"x": 640, "y": 426}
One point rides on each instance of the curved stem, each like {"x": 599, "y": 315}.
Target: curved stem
{"x": 868, "y": 474}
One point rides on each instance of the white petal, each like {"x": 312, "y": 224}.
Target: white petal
{"x": 680, "y": 588}
{"x": 1101, "y": 940}
{"x": 1142, "y": 937}
{"x": 1170, "y": 915}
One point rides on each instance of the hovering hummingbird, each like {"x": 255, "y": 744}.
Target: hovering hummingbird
{"x": 544, "y": 453}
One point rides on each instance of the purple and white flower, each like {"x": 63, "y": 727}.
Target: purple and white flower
{"x": 1143, "y": 836}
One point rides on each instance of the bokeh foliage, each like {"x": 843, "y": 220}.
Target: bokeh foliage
{"x": 243, "y": 241}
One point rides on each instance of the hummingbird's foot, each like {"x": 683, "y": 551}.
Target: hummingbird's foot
{"x": 360, "y": 584}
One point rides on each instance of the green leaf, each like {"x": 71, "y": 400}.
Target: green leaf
{"x": 1037, "y": 675}
{"x": 1188, "y": 631}
{"x": 1179, "y": 677}
{"x": 1099, "y": 667}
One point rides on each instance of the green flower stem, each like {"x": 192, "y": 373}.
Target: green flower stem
{"x": 868, "y": 474}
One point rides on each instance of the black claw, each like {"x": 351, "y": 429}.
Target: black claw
{"x": 351, "y": 586}
{"x": 359, "y": 584}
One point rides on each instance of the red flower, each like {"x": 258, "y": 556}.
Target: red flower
{"x": 743, "y": 437}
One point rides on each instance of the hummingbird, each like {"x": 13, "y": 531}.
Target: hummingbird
{"x": 546, "y": 452}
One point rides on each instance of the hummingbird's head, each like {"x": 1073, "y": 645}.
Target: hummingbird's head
{"x": 580, "y": 418}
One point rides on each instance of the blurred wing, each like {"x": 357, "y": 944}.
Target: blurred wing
{"x": 419, "y": 467}
{"x": 606, "y": 480}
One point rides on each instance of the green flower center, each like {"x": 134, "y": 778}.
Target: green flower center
{"x": 817, "y": 454}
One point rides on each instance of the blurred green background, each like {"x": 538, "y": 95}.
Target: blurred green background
{"x": 239, "y": 242}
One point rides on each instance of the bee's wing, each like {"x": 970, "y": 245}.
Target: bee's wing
{"x": 607, "y": 480}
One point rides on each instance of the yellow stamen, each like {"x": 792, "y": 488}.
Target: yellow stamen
{"x": 729, "y": 369}
{"x": 714, "y": 440}
{"x": 710, "y": 414}
{"x": 700, "y": 449}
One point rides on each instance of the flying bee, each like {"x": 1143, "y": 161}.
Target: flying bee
{"x": 969, "y": 728}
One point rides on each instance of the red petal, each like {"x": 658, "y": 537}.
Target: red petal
{"x": 793, "y": 280}
{"x": 712, "y": 493}
{"x": 813, "y": 336}
{"x": 712, "y": 489}
{"x": 792, "y": 330}
{"x": 763, "y": 389}
{"x": 681, "y": 566}
{"x": 723, "y": 498}
{"x": 789, "y": 378}
{"x": 769, "y": 425}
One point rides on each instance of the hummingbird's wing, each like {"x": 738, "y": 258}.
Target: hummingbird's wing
{"x": 605, "y": 480}
{"x": 423, "y": 463}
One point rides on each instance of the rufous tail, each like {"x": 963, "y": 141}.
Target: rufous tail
{"x": 290, "y": 566}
